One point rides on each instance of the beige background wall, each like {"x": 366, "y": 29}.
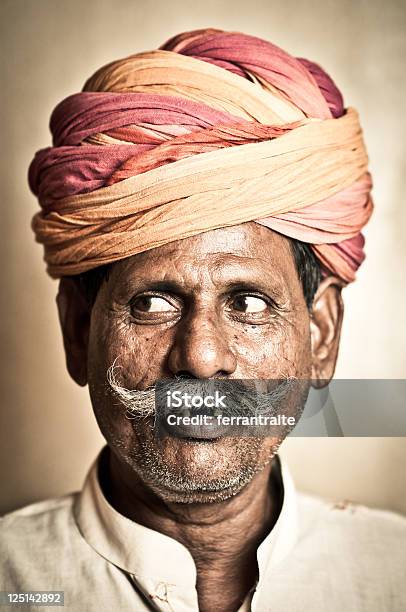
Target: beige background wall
{"x": 47, "y": 433}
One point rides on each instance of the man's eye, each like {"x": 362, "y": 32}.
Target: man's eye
{"x": 151, "y": 303}
{"x": 249, "y": 304}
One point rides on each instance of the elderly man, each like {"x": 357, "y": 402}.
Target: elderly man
{"x": 202, "y": 206}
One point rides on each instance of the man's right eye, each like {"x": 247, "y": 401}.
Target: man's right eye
{"x": 152, "y": 304}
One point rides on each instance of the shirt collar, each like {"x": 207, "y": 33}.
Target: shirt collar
{"x": 281, "y": 540}
{"x": 146, "y": 553}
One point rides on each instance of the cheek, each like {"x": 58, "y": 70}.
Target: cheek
{"x": 139, "y": 351}
{"x": 296, "y": 350}
{"x": 112, "y": 338}
{"x": 272, "y": 351}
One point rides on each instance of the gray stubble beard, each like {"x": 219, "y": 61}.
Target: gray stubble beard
{"x": 147, "y": 460}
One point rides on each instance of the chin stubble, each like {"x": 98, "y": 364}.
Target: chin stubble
{"x": 242, "y": 457}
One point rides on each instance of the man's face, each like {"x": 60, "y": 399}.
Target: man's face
{"x": 224, "y": 304}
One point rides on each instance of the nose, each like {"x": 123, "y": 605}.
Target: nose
{"x": 201, "y": 348}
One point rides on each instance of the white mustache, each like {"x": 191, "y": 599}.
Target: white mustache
{"x": 137, "y": 403}
{"x": 246, "y": 400}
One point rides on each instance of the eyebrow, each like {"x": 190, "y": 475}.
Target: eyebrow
{"x": 169, "y": 286}
{"x": 239, "y": 273}
{"x": 273, "y": 290}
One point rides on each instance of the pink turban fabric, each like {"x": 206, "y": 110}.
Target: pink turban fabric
{"x": 212, "y": 130}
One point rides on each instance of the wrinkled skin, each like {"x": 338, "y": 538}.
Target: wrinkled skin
{"x": 226, "y": 303}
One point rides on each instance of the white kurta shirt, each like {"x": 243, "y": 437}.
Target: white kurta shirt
{"x": 319, "y": 557}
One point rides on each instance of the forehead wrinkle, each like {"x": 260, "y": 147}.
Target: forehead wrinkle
{"x": 205, "y": 270}
{"x": 246, "y": 268}
{"x": 219, "y": 269}
{"x": 218, "y": 263}
{"x": 250, "y": 249}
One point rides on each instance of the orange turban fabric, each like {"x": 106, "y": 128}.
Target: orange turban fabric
{"x": 212, "y": 130}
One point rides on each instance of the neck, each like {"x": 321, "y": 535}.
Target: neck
{"x": 222, "y": 537}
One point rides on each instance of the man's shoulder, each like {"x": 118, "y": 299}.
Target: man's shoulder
{"x": 37, "y": 510}
{"x": 40, "y": 544}
{"x": 39, "y": 521}
{"x": 350, "y": 511}
{"x": 361, "y": 529}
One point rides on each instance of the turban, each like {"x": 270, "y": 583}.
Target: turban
{"x": 211, "y": 130}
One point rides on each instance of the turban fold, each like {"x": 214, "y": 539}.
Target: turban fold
{"x": 212, "y": 130}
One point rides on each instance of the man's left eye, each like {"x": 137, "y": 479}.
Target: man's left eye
{"x": 249, "y": 304}
{"x": 151, "y": 303}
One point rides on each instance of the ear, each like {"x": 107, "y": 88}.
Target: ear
{"x": 74, "y": 318}
{"x": 325, "y": 328}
